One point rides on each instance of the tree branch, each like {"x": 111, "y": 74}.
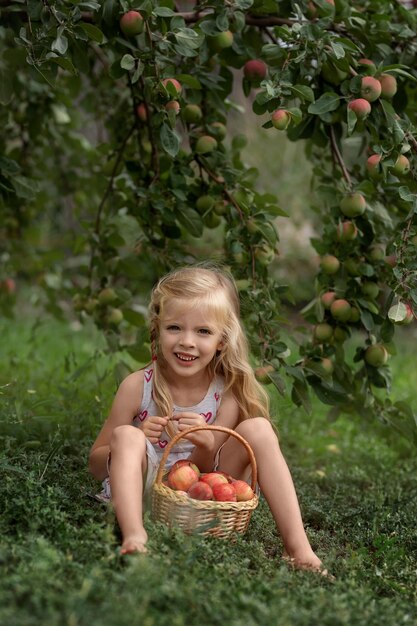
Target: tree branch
{"x": 338, "y": 157}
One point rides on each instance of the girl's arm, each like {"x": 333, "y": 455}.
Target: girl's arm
{"x": 123, "y": 410}
{"x": 227, "y": 416}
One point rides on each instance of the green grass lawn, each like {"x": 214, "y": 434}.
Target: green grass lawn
{"x": 59, "y": 563}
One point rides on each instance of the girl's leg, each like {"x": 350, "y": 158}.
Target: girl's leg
{"x": 276, "y": 485}
{"x": 127, "y": 470}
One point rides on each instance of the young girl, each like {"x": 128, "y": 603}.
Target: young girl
{"x": 199, "y": 375}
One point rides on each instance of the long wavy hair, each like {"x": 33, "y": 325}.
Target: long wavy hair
{"x": 213, "y": 291}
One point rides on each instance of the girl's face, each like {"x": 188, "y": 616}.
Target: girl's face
{"x": 188, "y": 338}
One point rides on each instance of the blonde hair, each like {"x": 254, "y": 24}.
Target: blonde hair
{"x": 214, "y": 289}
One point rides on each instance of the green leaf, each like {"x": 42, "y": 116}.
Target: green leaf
{"x": 327, "y": 394}
{"x": 300, "y": 396}
{"x": 60, "y": 44}
{"x": 170, "y": 141}
{"x": 398, "y": 312}
{"x": 92, "y": 31}
{"x": 6, "y": 87}
{"x": 338, "y": 50}
{"x": 303, "y": 92}
{"x": 127, "y": 62}
{"x": 191, "y": 220}
{"x": 163, "y": 12}
{"x": 351, "y": 121}
{"x": 329, "y": 101}
{"x": 133, "y": 317}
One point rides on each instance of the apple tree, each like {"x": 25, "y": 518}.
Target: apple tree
{"x": 117, "y": 161}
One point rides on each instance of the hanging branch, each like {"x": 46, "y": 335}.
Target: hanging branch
{"x": 338, "y": 157}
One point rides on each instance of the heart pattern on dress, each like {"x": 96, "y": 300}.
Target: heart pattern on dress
{"x": 148, "y": 375}
{"x": 216, "y": 396}
{"x": 142, "y": 415}
{"x": 162, "y": 444}
{"x": 207, "y": 416}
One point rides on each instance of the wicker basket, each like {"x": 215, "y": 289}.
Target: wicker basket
{"x": 204, "y": 517}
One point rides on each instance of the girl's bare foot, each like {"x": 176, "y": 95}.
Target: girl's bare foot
{"x": 134, "y": 543}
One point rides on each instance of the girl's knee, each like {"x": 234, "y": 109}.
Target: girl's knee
{"x": 257, "y": 429}
{"x": 127, "y": 436}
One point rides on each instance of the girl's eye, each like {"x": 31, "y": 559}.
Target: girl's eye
{"x": 205, "y": 331}
{"x": 172, "y": 327}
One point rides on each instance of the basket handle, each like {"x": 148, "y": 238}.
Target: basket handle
{"x": 222, "y": 429}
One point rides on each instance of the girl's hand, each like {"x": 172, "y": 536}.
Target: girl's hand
{"x": 202, "y": 438}
{"x": 153, "y": 426}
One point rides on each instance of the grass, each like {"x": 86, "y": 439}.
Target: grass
{"x": 59, "y": 563}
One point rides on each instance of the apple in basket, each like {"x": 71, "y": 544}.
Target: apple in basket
{"x": 181, "y": 478}
{"x": 243, "y": 491}
{"x": 186, "y": 462}
{"x": 213, "y": 478}
{"x": 224, "y": 492}
{"x": 229, "y": 478}
{"x": 200, "y": 491}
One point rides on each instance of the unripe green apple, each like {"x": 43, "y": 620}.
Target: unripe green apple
{"x": 107, "y": 296}
{"x": 328, "y": 298}
{"x": 367, "y": 67}
{"x": 261, "y": 374}
{"x": 370, "y": 88}
{"x": 370, "y": 289}
{"x": 332, "y": 74}
{"x": 131, "y": 23}
{"x": 192, "y": 113}
{"x": 352, "y": 266}
{"x": 353, "y": 204}
{"x": 280, "y": 119}
{"x": 221, "y": 41}
{"x": 373, "y": 166}
{"x": 204, "y": 203}
{"x": 346, "y": 231}
{"x": 340, "y": 334}
{"x": 377, "y": 252}
{"x": 211, "y": 220}
{"x": 255, "y": 70}
{"x": 329, "y": 264}
{"x": 402, "y": 166}
{"x": 91, "y": 305}
{"x": 376, "y": 355}
{"x": 388, "y": 85}
{"x": 173, "y": 105}
{"x": 323, "y": 332}
{"x": 218, "y": 130}
{"x": 413, "y": 240}
{"x": 355, "y": 315}
{"x": 220, "y": 207}
{"x": 360, "y": 107}
{"x": 205, "y": 144}
{"x": 341, "y": 310}
{"x": 115, "y": 317}
{"x": 174, "y": 82}
{"x": 264, "y": 254}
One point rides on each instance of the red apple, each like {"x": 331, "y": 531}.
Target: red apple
{"x": 174, "y": 82}
{"x": 373, "y": 165}
{"x": 243, "y": 491}
{"x": 182, "y": 462}
{"x": 224, "y": 492}
{"x": 254, "y": 70}
{"x": 8, "y": 285}
{"x": 328, "y": 298}
{"x": 141, "y": 112}
{"x": 182, "y": 478}
{"x": 280, "y": 119}
{"x": 360, "y": 107}
{"x": 173, "y": 105}
{"x": 370, "y": 88}
{"x": 131, "y": 23}
{"x": 213, "y": 478}
{"x": 200, "y": 491}
{"x": 388, "y": 85}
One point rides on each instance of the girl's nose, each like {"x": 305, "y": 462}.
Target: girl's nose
{"x": 187, "y": 340}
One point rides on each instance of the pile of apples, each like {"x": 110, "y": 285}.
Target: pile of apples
{"x": 185, "y": 478}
